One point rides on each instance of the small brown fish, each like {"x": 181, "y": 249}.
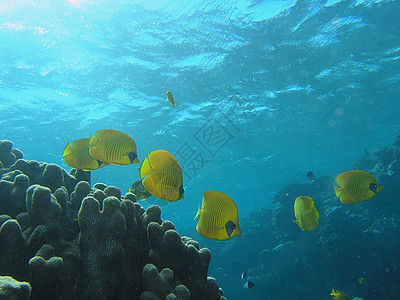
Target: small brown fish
{"x": 139, "y": 190}
{"x": 310, "y": 176}
{"x": 171, "y": 99}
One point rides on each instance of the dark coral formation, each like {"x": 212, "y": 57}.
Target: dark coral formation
{"x": 351, "y": 241}
{"x": 14, "y": 289}
{"x": 169, "y": 250}
{"x": 74, "y": 241}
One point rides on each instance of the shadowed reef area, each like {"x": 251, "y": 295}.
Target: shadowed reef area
{"x": 61, "y": 238}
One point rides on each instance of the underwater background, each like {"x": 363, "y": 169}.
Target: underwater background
{"x": 266, "y": 91}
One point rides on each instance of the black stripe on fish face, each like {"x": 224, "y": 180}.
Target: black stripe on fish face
{"x": 181, "y": 191}
{"x": 374, "y": 187}
{"x": 132, "y": 156}
{"x": 230, "y": 228}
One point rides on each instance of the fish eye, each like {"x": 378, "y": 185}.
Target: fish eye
{"x": 373, "y": 187}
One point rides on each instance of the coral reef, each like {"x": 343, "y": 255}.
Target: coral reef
{"x": 74, "y": 241}
{"x": 169, "y": 250}
{"x": 13, "y": 289}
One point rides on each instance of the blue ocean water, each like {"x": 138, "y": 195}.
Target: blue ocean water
{"x": 265, "y": 90}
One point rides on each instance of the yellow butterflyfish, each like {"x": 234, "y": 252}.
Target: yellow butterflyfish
{"x": 76, "y": 155}
{"x": 114, "y": 147}
{"x": 162, "y": 176}
{"x": 356, "y": 186}
{"x": 306, "y": 214}
{"x": 218, "y": 217}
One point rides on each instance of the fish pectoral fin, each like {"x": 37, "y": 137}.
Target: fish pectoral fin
{"x": 198, "y": 213}
{"x": 315, "y": 213}
{"x": 298, "y": 224}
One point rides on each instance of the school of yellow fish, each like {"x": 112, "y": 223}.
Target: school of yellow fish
{"x": 107, "y": 146}
{"x": 161, "y": 176}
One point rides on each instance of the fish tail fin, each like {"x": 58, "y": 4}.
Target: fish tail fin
{"x": 338, "y": 191}
{"x": 198, "y": 213}
{"x": 174, "y": 105}
{"x": 67, "y": 150}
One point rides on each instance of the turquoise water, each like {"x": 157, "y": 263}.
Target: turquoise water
{"x": 265, "y": 90}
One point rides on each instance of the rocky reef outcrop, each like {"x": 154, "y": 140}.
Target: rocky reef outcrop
{"x": 64, "y": 239}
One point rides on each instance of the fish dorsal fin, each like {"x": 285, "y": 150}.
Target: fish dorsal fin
{"x": 212, "y": 196}
{"x": 80, "y": 144}
{"x": 105, "y": 134}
